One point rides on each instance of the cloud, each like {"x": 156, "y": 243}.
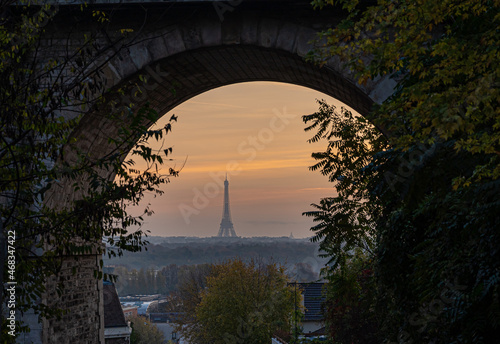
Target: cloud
{"x": 270, "y": 222}
{"x": 244, "y": 165}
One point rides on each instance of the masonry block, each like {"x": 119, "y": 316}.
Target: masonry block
{"x": 383, "y": 89}
{"x": 123, "y": 64}
{"x": 156, "y": 47}
{"x": 139, "y": 55}
{"x": 268, "y": 32}
{"x": 174, "y": 41}
{"x": 80, "y": 301}
{"x": 211, "y": 33}
{"x": 302, "y": 42}
{"x": 249, "y": 30}
{"x": 191, "y": 36}
{"x": 286, "y": 36}
{"x": 231, "y": 32}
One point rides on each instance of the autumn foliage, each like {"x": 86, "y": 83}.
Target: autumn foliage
{"x": 422, "y": 199}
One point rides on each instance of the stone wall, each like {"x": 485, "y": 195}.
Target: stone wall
{"x": 81, "y": 299}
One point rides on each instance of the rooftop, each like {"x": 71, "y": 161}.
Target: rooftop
{"x": 113, "y": 313}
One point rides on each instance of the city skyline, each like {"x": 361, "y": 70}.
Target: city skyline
{"x": 254, "y": 133}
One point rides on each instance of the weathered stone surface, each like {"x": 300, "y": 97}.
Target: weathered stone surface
{"x": 139, "y": 55}
{"x": 302, "y": 45}
{"x": 156, "y": 46}
{"x": 383, "y": 90}
{"x": 268, "y": 30}
{"x": 335, "y": 64}
{"x": 249, "y": 30}
{"x": 81, "y": 299}
{"x": 231, "y": 32}
{"x": 111, "y": 74}
{"x": 123, "y": 65}
{"x": 286, "y": 36}
{"x": 174, "y": 41}
{"x": 191, "y": 36}
{"x": 211, "y": 33}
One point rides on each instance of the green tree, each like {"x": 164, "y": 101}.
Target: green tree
{"x": 344, "y": 222}
{"x": 134, "y": 286}
{"x": 145, "y": 332}
{"x": 427, "y": 193}
{"x": 443, "y": 56}
{"x": 143, "y": 287}
{"x": 242, "y": 303}
{"x": 43, "y": 98}
{"x": 351, "y": 315}
{"x": 169, "y": 277}
{"x": 433, "y": 249}
{"x": 192, "y": 282}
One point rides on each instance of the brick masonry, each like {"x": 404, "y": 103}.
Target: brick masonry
{"x": 81, "y": 300}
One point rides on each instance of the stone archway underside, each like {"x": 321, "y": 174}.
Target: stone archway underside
{"x": 175, "y": 79}
{"x": 194, "y": 72}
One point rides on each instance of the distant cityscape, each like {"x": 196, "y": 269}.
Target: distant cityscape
{"x": 158, "y": 239}
{"x": 148, "y": 281}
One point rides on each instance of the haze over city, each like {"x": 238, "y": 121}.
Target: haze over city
{"x": 255, "y": 134}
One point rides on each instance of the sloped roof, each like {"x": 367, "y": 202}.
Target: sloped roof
{"x": 313, "y": 300}
{"x": 113, "y": 313}
{"x": 319, "y": 332}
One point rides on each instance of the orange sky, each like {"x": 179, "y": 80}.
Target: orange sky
{"x": 255, "y": 133}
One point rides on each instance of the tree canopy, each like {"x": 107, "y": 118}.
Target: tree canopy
{"x": 422, "y": 200}
{"x": 443, "y": 56}
{"x": 43, "y": 98}
{"x": 240, "y": 303}
{"x": 144, "y": 331}
{"x": 350, "y": 307}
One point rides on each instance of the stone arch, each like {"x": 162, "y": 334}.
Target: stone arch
{"x": 187, "y": 59}
{"x": 240, "y": 45}
{"x": 183, "y": 61}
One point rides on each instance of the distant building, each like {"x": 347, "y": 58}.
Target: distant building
{"x": 116, "y": 329}
{"x": 143, "y": 308}
{"x": 226, "y": 225}
{"x": 130, "y": 311}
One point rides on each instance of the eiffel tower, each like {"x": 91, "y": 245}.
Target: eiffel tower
{"x": 226, "y": 225}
